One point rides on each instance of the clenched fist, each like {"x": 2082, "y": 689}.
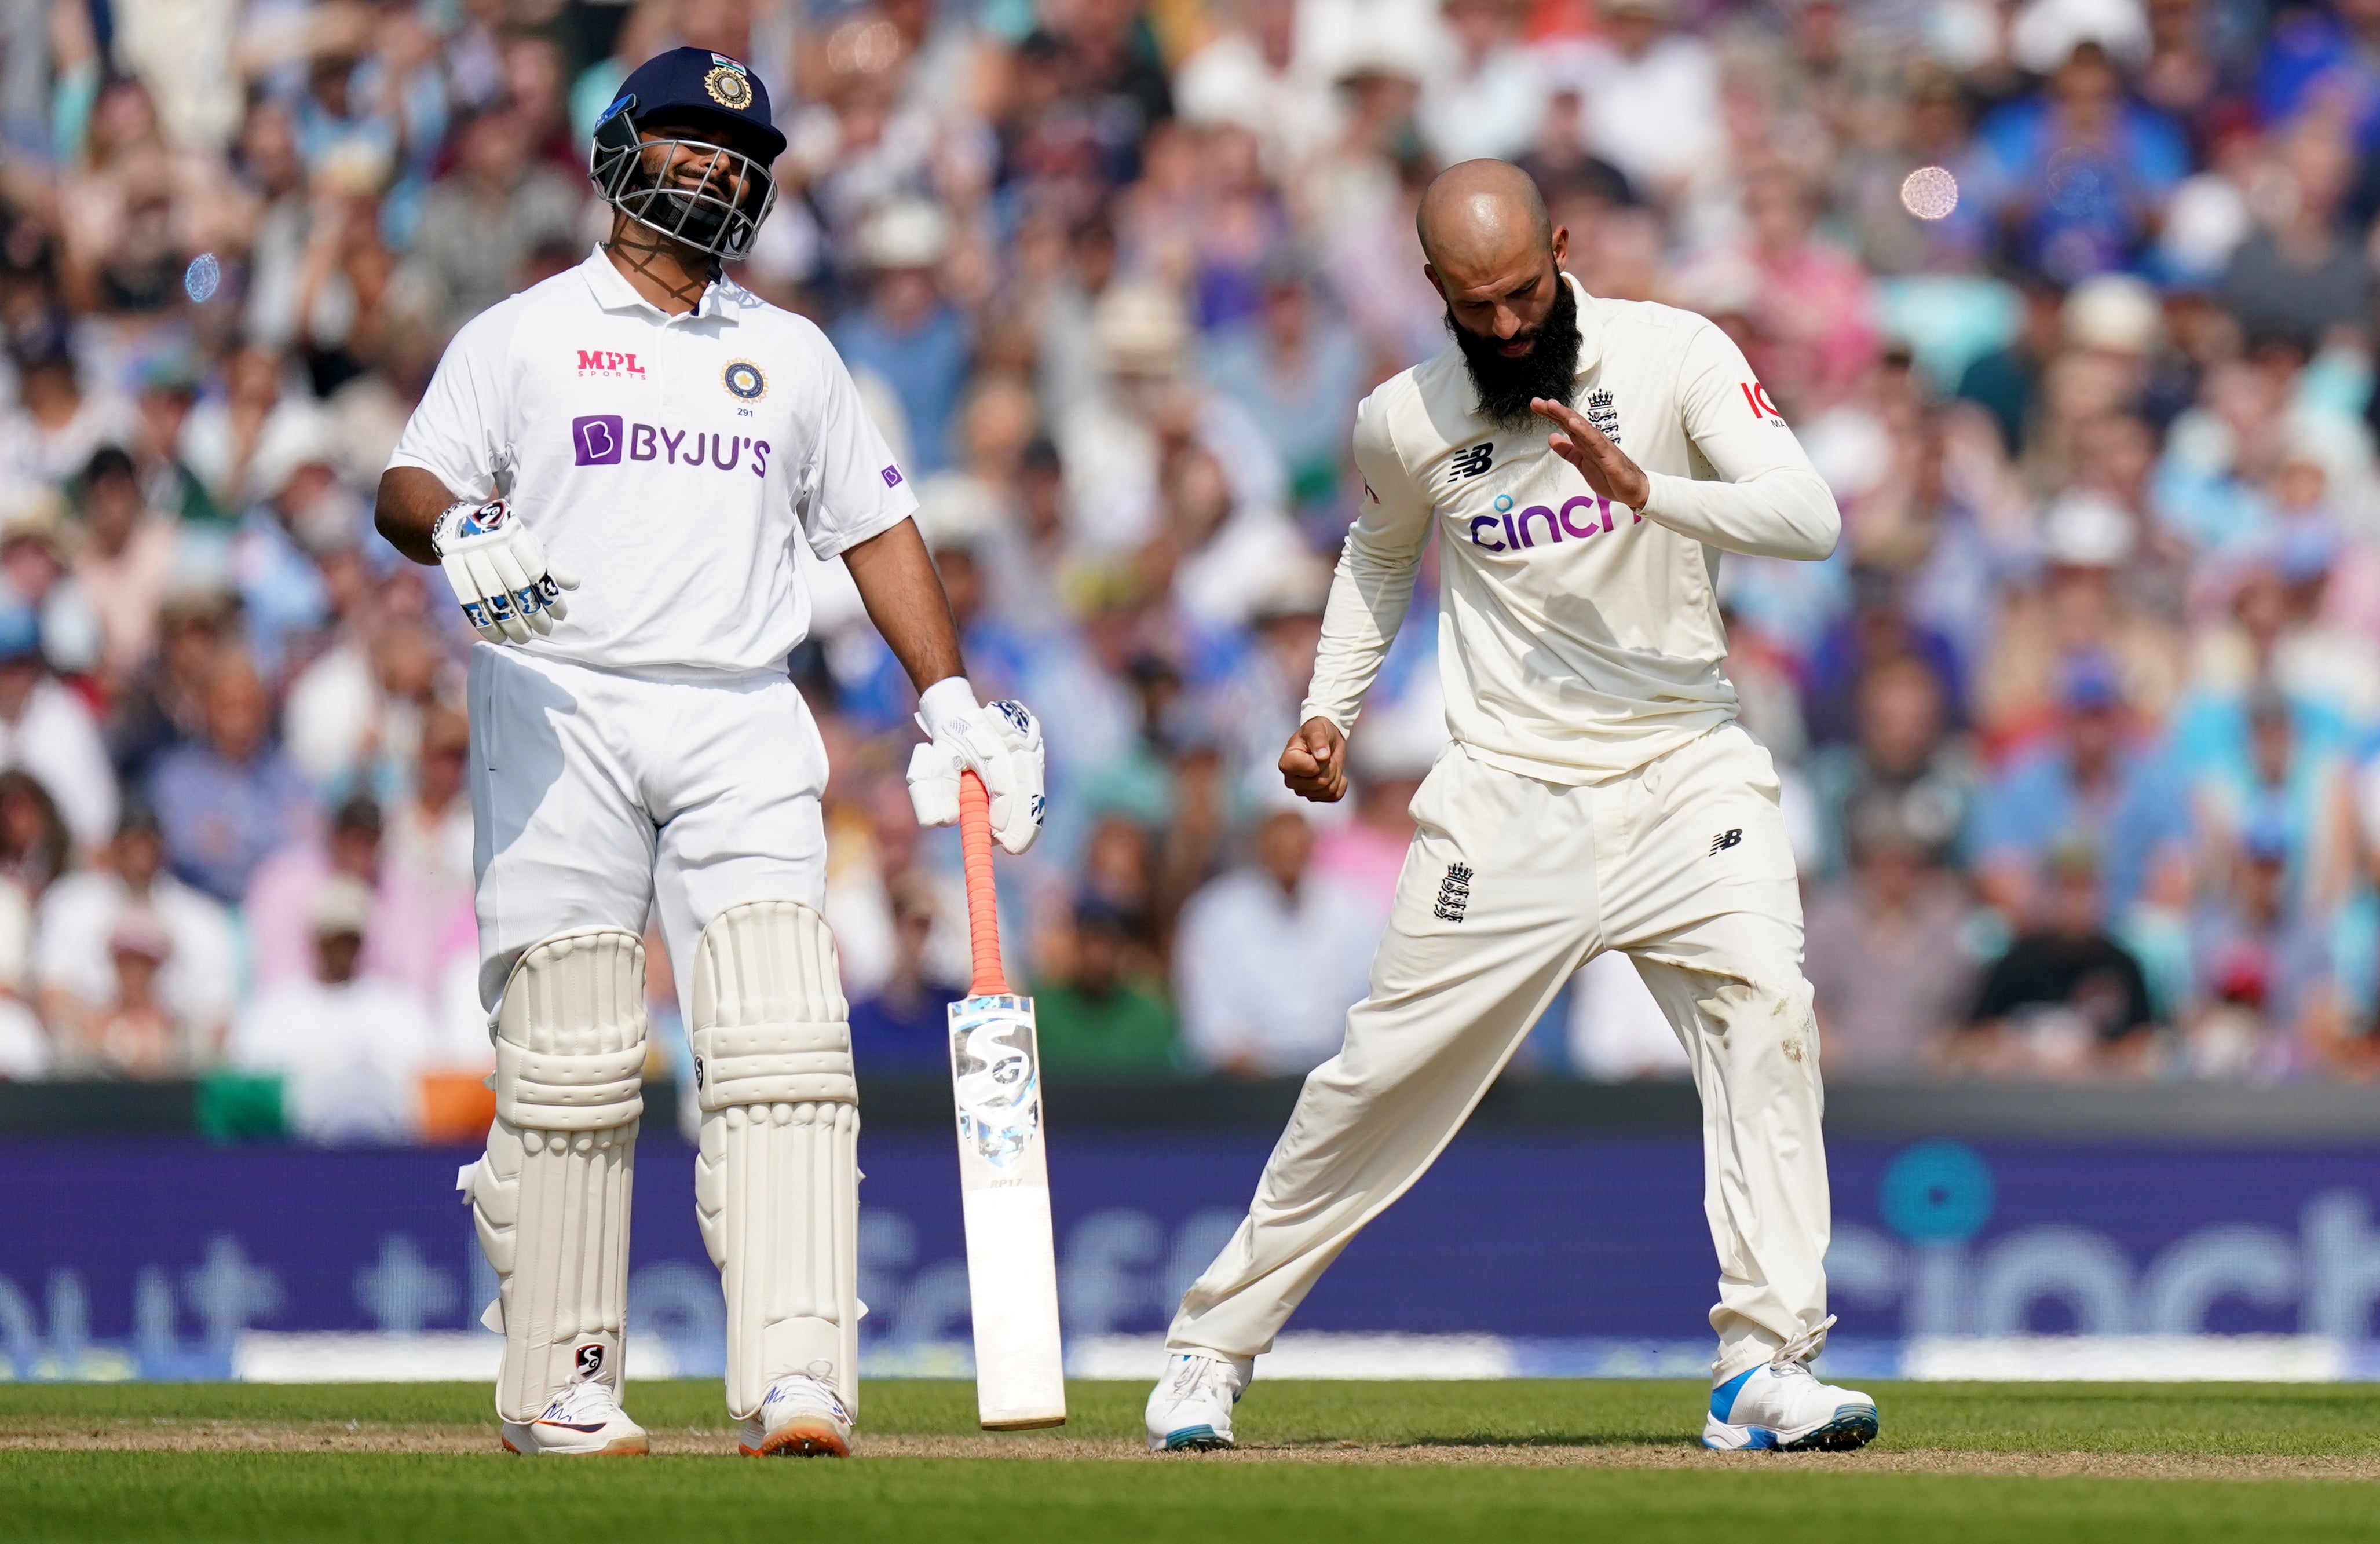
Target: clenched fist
{"x": 1314, "y": 764}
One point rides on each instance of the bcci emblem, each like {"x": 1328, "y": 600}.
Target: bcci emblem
{"x": 729, "y": 87}
{"x": 743, "y": 379}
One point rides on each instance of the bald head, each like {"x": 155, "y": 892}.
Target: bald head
{"x": 1483, "y": 214}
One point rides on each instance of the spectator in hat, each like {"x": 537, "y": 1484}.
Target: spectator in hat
{"x": 46, "y": 731}
{"x": 131, "y": 1032}
{"x": 74, "y": 970}
{"x": 2078, "y": 606}
{"x": 1114, "y": 442}
{"x": 1272, "y": 956}
{"x": 227, "y": 800}
{"x": 1100, "y": 1022}
{"x": 404, "y": 921}
{"x": 350, "y": 1048}
{"x": 2065, "y": 999}
{"x": 33, "y": 574}
{"x": 2265, "y": 1001}
{"x": 2092, "y": 782}
{"x": 909, "y": 336}
{"x": 1887, "y": 953}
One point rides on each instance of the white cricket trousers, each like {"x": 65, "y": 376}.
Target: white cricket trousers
{"x": 1510, "y": 885}
{"x": 598, "y": 795}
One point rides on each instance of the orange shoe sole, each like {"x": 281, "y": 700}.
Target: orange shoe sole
{"x": 800, "y": 1439}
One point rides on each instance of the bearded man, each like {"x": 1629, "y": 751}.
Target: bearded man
{"x": 1599, "y": 793}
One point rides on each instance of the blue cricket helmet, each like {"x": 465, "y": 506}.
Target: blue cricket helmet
{"x": 721, "y": 211}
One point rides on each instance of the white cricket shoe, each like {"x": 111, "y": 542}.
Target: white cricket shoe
{"x": 584, "y": 1419}
{"x": 1191, "y": 1406}
{"x": 800, "y": 1417}
{"x": 1782, "y": 1404}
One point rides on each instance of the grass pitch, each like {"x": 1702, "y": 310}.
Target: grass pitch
{"x": 1319, "y": 1461}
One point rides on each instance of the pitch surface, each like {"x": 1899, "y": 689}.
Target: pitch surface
{"x": 1442, "y": 1461}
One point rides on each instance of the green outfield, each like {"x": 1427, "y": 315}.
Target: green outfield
{"x": 1320, "y": 1461}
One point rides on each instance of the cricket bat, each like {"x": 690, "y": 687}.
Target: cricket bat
{"x": 1020, "y": 1376}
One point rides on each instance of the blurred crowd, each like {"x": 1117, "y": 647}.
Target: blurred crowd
{"x": 2070, "y": 300}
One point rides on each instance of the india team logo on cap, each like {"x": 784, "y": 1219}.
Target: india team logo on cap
{"x": 743, "y": 379}
{"x": 728, "y": 86}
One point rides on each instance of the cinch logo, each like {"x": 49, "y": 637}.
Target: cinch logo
{"x": 1595, "y": 519}
{"x": 605, "y": 440}
{"x": 598, "y": 361}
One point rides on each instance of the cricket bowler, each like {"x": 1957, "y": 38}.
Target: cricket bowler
{"x": 613, "y": 467}
{"x": 1599, "y": 793}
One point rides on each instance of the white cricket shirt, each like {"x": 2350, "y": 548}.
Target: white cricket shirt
{"x": 666, "y": 461}
{"x": 1577, "y": 639}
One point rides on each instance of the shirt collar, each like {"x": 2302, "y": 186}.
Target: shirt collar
{"x": 614, "y": 292}
{"x": 1590, "y": 325}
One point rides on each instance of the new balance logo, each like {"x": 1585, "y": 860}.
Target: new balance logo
{"x": 1472, "y": 460}
{"x": 1724, "y": 840}
{"x": 1454, "y": 894}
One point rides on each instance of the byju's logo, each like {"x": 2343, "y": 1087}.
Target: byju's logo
{"x": 605, "y": 440}
{"x": 597, "y": 439}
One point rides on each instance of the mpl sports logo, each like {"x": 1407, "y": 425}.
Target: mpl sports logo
{"x": 608, "y": 440}
{"x": 609, "y": 364}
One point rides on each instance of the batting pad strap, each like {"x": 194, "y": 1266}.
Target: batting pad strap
{"x": 771, "y": 1026}
{"x": 570, "y": 1034}
{"x": 559, "y": 1091}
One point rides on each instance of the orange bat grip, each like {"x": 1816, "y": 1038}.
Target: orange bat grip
{"x": 983, "y": 901}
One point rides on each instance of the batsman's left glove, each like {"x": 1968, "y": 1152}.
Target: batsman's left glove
{"x": 999, "y": 743}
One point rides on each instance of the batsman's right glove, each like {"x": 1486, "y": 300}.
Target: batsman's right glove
{"x": 498, "y": 569}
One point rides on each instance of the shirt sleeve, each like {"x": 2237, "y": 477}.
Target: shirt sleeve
{"x": 1770, "y": 502}
{"x": 1375, "y": 578}
{"x": 461, "y": 431}
{"x": 850, "y": 488}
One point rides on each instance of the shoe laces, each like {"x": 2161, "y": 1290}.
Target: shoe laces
{"x": 1794, "y": 1358}
{"x": 1200, "y": 1375}
{"x": 584, "y": 1402}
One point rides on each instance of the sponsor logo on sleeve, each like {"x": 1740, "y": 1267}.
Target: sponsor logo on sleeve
{"x": 597, "y": 439}
{"x": 891, "y": 476}
{"x": 1756, "y": 396}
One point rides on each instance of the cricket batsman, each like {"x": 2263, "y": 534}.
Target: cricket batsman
{"x": 613, "y": 467}
{"x": 1600, "y": 795}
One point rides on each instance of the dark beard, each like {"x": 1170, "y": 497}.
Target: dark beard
{"x": 1550, "y": 370}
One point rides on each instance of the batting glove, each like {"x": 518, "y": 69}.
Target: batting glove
{"x": 507, "y": 589}
{"x": 1000, "y": 744}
